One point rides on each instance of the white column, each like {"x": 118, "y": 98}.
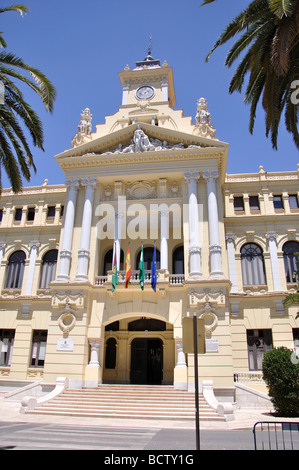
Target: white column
{"x": 164, "y": 235}
{"x": 94, "y": 352}
{"x": 181, "y": 357}
{"x": 84, "y": 252}
{"x": 230, "y": 244}
{"x": 65, "y": 252}
{"x": 210, "y": 177}
{"x": 117, "y": 237}
{"x": 32, "y": 259}
{"x": 274, "y": 259}
{"x": 194, "y": 243}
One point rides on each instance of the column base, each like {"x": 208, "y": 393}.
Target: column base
{"x": 62, "y": 278}
{"x": 81, "y": 277}
{"x": 216, "y": 275}
{"x": 194, "y": 276}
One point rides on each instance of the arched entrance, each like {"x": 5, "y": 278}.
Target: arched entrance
{"x": 146, "y": 361}
{"x": 139, "y": 350}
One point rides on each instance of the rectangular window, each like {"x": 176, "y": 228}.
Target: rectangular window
{"x": 254, "y": 203}
{"x": 6, "y": 346}
{"x": 18, "y": 214}
{"x": 1, "y": 214}
{"x": 238, "y": 203}
{"x": 61, "y": 212}
{"x": 258, "y": 342}
{"x": 293, "y": 201}
{"x": 51, "y": 212}
{"x": 30, "y": 214}
{"x": 277, "y": 201}
{"x": 38, "y": 353}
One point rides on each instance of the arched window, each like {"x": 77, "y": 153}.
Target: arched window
{"x": 148, "y": 258}
{"x": 48, "y": 270}
{"x": 178, "y": 261}
{"x": 110, "y": 359}
{"x": 108, "y": 261}
{"x": 15, "y": 270}
{"x": 291, "y": 256}
{"x": 252, "y": 261}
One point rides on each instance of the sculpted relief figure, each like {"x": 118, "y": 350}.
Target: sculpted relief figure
{"x": 142, "y": 143}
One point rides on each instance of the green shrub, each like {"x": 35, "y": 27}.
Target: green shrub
{"x": 281, "y": 374}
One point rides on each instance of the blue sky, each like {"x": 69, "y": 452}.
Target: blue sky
{"x": 82, "y": 45}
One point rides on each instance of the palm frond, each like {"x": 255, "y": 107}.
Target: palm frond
{"x": 282, "y": 8}
{"x": 243, "y": 42}
{"x": 19, "y": 8}
{"x": 7, "y": 159}
{"x": 44, "y": 88}
{"x": 285, "y": 34}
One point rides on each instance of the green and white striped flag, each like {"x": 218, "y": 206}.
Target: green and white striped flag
{"x": 141, "y": 269}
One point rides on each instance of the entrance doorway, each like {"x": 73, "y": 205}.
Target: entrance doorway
{"x": 146, "y": 361}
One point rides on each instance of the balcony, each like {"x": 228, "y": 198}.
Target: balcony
{"x": 173, "y": 279}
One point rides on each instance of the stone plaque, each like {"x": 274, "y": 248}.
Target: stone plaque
{"x": 212, "y": 345}
{"x": 65, "y": 344}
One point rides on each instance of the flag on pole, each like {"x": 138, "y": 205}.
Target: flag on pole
{"x": 141, "y": 268}
{"x": 114, "y": 271}
{"x": 128, "y": 268}
{"x": 154, "y": 270}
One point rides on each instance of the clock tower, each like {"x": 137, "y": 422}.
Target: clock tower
{"x": 147, "y": 84}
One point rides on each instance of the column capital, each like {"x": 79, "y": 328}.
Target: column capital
{"x": 34, "y": 244}
{"x": 89, "y": 181}
{"x": 119, "y": 214}
{"x": 72, "y": 183}
{"x": 164, "y": 213}
{"x": 211, "y": 174}
{"x": 230, "y": 237}
{"x": 191, "y": 176}
{"x": 272, "y": 236}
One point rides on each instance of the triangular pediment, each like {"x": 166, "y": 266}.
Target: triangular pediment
{"x": 141, "y": 138}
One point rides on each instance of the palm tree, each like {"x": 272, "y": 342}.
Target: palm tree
{"x": 268, "y": 34}
{"x": 15, "y": 154}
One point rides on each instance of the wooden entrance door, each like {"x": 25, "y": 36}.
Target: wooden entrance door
{"x": 147, "y": 361}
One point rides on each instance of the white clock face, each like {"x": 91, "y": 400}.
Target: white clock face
{"x": 145, "y": 92}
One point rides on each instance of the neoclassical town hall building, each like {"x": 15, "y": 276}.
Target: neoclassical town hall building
{"x": 148, "y": 177}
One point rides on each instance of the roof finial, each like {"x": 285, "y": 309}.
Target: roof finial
{"x": 149, "y": 49}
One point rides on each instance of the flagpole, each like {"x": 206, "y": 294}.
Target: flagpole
{"x": 141, "y": 268}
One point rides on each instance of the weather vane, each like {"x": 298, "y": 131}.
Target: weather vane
{"x": 149, "y": 49}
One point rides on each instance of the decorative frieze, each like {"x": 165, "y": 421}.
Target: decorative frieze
{"x": 74, "y": 298}
{"x": 206, "y": 295}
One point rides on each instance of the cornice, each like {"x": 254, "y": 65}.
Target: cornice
{"x": 127, "y": 161}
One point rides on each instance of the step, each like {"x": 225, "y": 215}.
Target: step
{"x": 128, "y": 401}
{"x": 123, "y": 397}
{"x": 124, "y": 415}
{"x": 132, "y": 407}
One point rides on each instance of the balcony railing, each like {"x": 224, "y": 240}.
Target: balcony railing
{"x": 174, "y": 279}
{"x": 249, "y": 377}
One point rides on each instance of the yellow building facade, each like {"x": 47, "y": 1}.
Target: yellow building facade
{"x": 147, "y": 177}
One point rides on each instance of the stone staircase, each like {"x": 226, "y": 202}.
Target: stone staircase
{"x": 129, "y": 401}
